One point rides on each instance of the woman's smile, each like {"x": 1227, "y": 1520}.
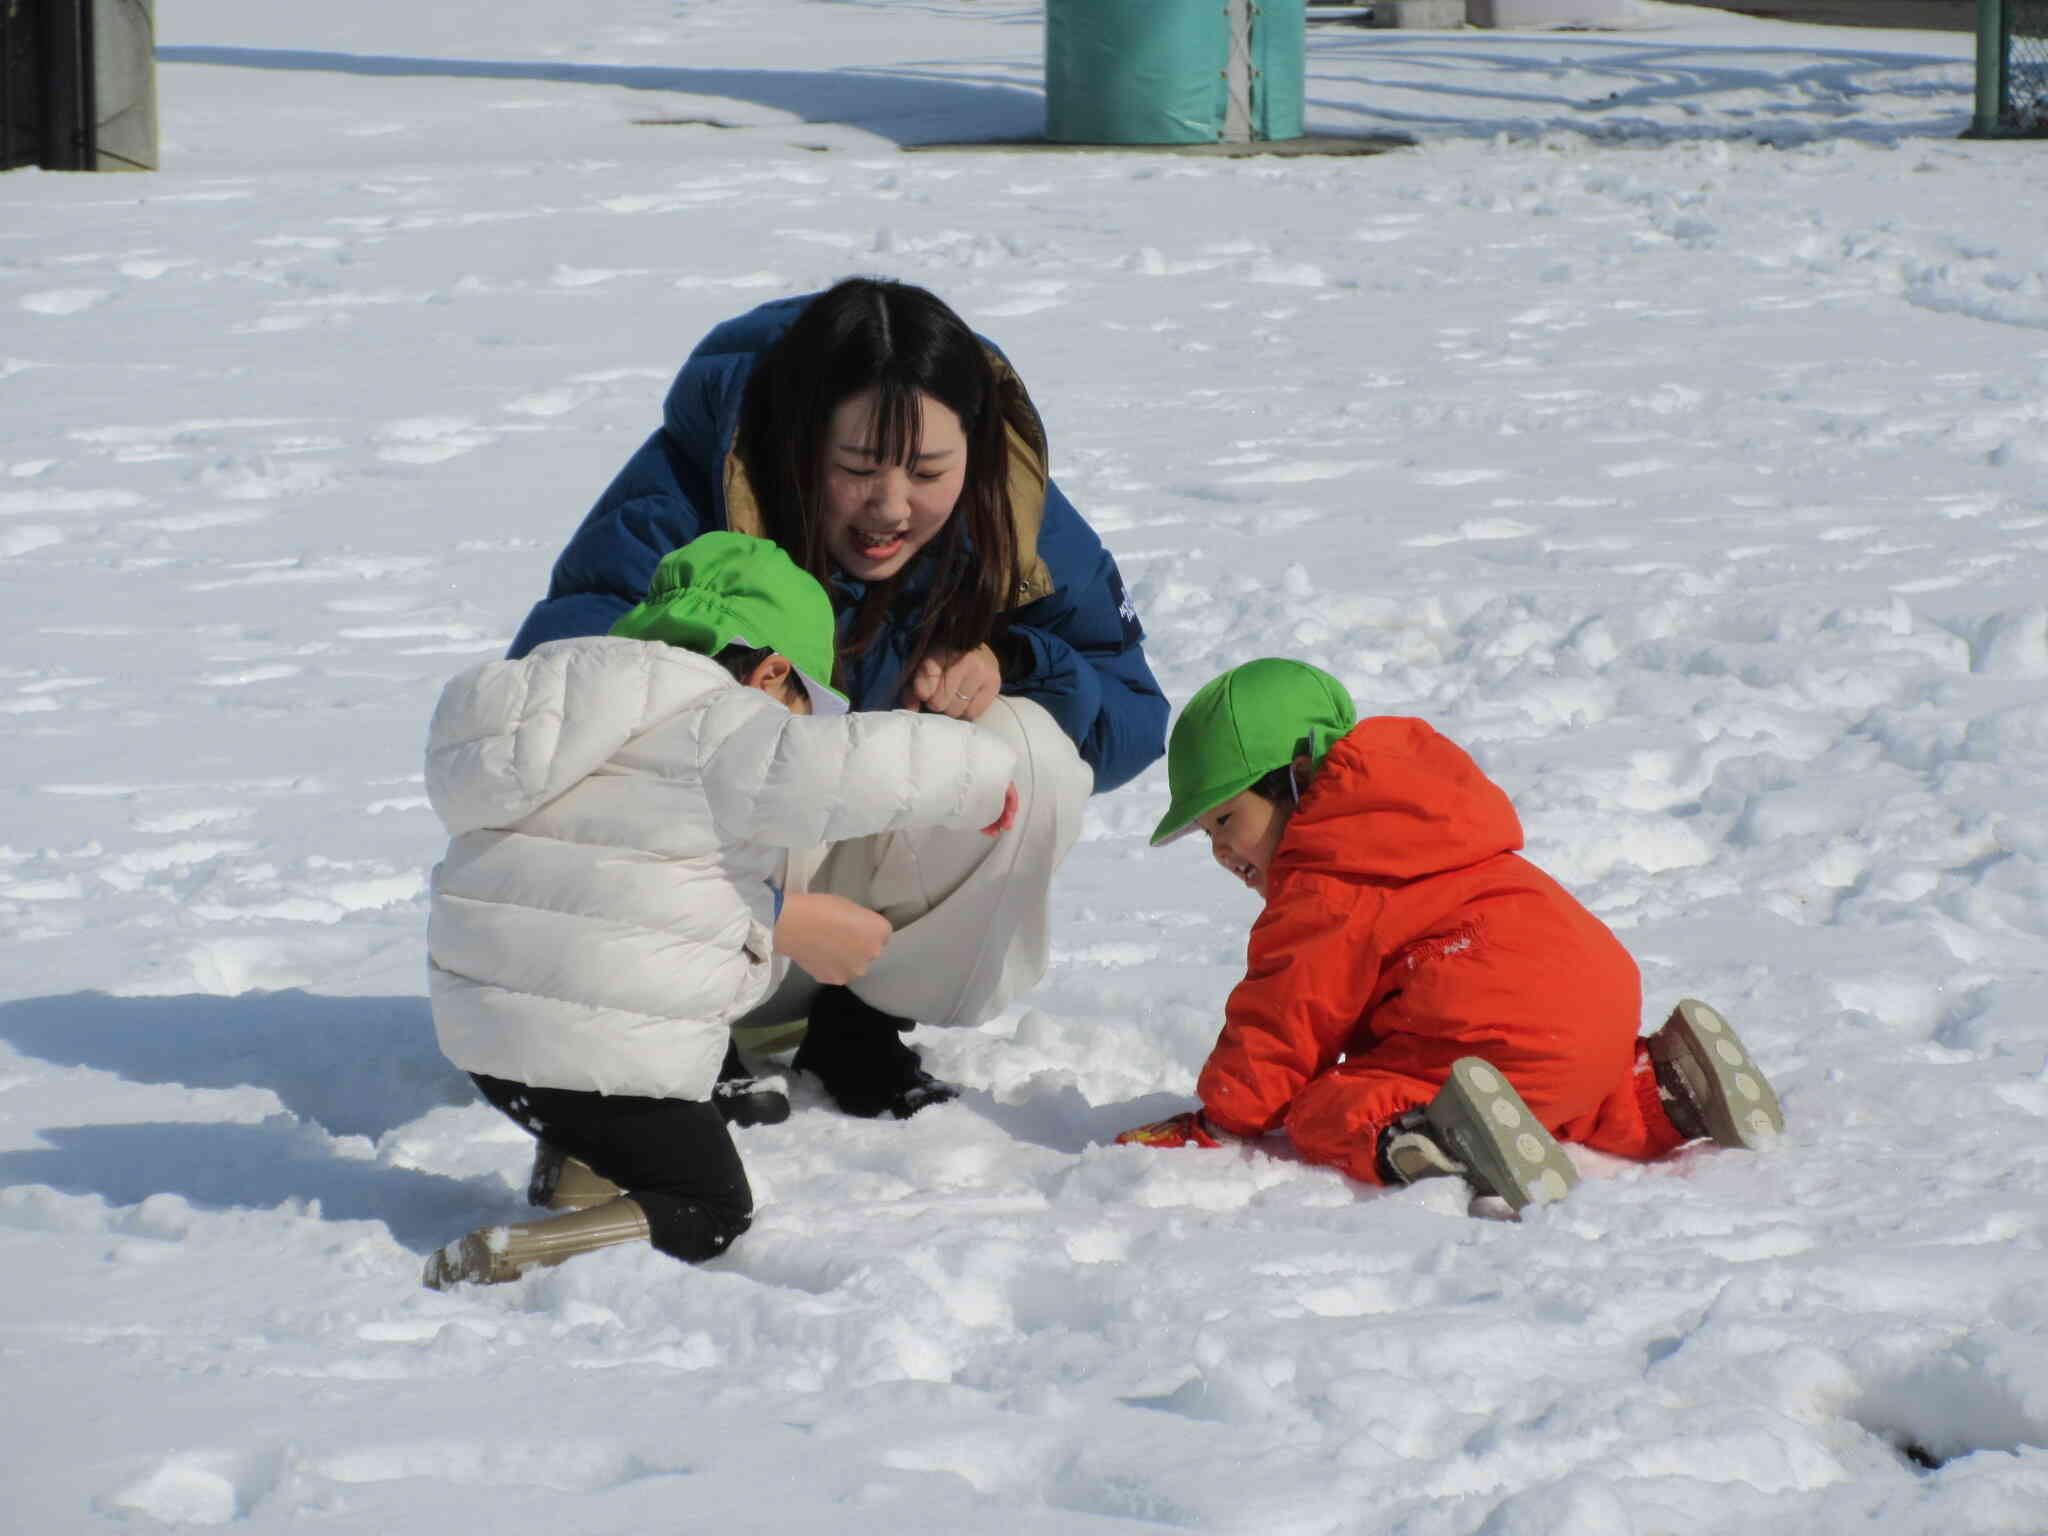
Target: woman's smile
{"x": 878, "y": 545}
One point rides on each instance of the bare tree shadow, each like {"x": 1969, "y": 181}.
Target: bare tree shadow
{"x": 1738, "y": 91}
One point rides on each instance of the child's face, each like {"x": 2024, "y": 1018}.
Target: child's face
{"x": 1244, "y": 834}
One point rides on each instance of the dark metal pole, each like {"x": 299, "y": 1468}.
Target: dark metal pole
{"x": 1991, "y": 51}
{"x": 68, "y": 107}
{"x": 21, "y": 71}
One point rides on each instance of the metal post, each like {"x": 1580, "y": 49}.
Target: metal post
{"x": 1237, "y": 75}
{"x": 21, "y": 82}
{"x": 67, "y": 74}
{"x": 1992, "y": 40}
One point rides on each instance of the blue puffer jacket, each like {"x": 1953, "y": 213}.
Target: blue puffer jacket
{"x": 1087, "y": 647}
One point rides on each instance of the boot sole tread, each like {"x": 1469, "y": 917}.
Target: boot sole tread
{"x": 1737, "y": 1103}
{"x": 1507, "y": 1149}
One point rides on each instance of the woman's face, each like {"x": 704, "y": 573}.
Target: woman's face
{"x": 878, "y": 516}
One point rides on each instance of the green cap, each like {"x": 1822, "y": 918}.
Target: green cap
{"x": 1241, "y": 726}
{"x": 724, "y": 588}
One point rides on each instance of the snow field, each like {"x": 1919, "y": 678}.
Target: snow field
{"x": 1666, "y": 428}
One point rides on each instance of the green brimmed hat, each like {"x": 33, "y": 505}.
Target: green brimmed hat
{"x": 724, "y": 588}
{"x": 1241, "y": 726}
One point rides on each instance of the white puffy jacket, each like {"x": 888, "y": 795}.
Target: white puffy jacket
{"x": 621, "y": 813}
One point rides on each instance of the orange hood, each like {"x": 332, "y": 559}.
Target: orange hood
{"x": 1395, "y": 801}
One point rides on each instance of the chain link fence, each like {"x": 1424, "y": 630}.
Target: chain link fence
{"x": 2012, "y": 69}
{"x": 2026, "y": 65}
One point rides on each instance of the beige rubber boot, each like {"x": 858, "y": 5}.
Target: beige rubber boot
{"x": 769, "y": 1039}
{"x": 1711, "y": 1086}
{"x": 560, "y": 1182}
{"x": 494, "y": 1255}
{"x": 1478, "y": 1128}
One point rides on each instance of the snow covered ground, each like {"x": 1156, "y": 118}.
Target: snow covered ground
{"x": 1669, "y": 426}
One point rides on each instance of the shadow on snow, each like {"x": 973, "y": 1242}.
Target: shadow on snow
{"x": 1818, "y": 96}
{"x": 342, "y": 1067}
{"x": 252, "y": 1167}
{"x": 354, "y": 1066}
{"x": 1780, "y": 95}
{"x": 907, "y": 106}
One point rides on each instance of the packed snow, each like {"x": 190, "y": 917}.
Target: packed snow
{"x": 1667, "y": 424}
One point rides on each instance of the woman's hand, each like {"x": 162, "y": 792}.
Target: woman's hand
{"x": 832, "y": 939}
{"x": 962, "y": 685}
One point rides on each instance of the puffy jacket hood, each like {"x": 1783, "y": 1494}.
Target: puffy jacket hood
{"x": 1395, "y": 800}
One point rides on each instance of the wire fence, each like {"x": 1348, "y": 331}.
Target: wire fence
{"x": 2012, "y": 69}
{"x": 2026, "y": 65}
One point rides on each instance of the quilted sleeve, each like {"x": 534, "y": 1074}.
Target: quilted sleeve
{"x": 795, "y": 781}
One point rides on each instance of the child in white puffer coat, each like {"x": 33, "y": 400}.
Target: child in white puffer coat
{"x": 621, "y": 809}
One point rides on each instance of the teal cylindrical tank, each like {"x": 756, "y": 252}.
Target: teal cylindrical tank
{"x": 1174, "y": 71}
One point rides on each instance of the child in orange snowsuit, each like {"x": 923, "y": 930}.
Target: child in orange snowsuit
{"x": 1403, "y": 935}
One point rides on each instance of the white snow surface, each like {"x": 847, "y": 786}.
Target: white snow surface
{"x": 1668, "y": 425}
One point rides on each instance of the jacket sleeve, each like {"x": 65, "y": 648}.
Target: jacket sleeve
{"x": 1083, "y": 651}
{"x": 798, "y": 781}
{"x": 663, "y": 498}
{"x": 1314, "y": 964}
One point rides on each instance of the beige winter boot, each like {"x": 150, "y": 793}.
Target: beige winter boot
{"x": 1710, "y": 1086}
{"x": 769, "y": 1039}
{"x": 493, "y": 1255}
{"x": 1478, "y": 1128}
{"x": 560, "y": 1182}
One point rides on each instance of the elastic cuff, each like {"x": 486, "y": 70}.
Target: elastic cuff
{"x": 1407, "y": 1120}
{"x": 1659, "y": 1134}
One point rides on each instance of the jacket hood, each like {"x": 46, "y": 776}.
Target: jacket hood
{"x": 509, "y": 736}
{"x": 1395, "y": 800}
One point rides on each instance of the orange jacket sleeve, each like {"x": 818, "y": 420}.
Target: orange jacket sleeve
{"x": 1314, "y": 964}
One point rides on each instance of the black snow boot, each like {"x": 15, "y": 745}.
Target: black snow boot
{"x": 860, "y": 1056}
{"x": 745, "y": 1099}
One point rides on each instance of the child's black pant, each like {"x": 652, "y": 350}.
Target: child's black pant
{"x": 673, "y": 1157}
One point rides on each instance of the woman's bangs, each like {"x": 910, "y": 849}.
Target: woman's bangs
{"x": 896, "y": 429}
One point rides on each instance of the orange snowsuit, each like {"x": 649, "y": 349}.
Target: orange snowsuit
{"x": 1401, "y": 932}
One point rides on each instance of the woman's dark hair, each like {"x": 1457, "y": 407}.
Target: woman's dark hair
{"x": 902, "y": 342}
